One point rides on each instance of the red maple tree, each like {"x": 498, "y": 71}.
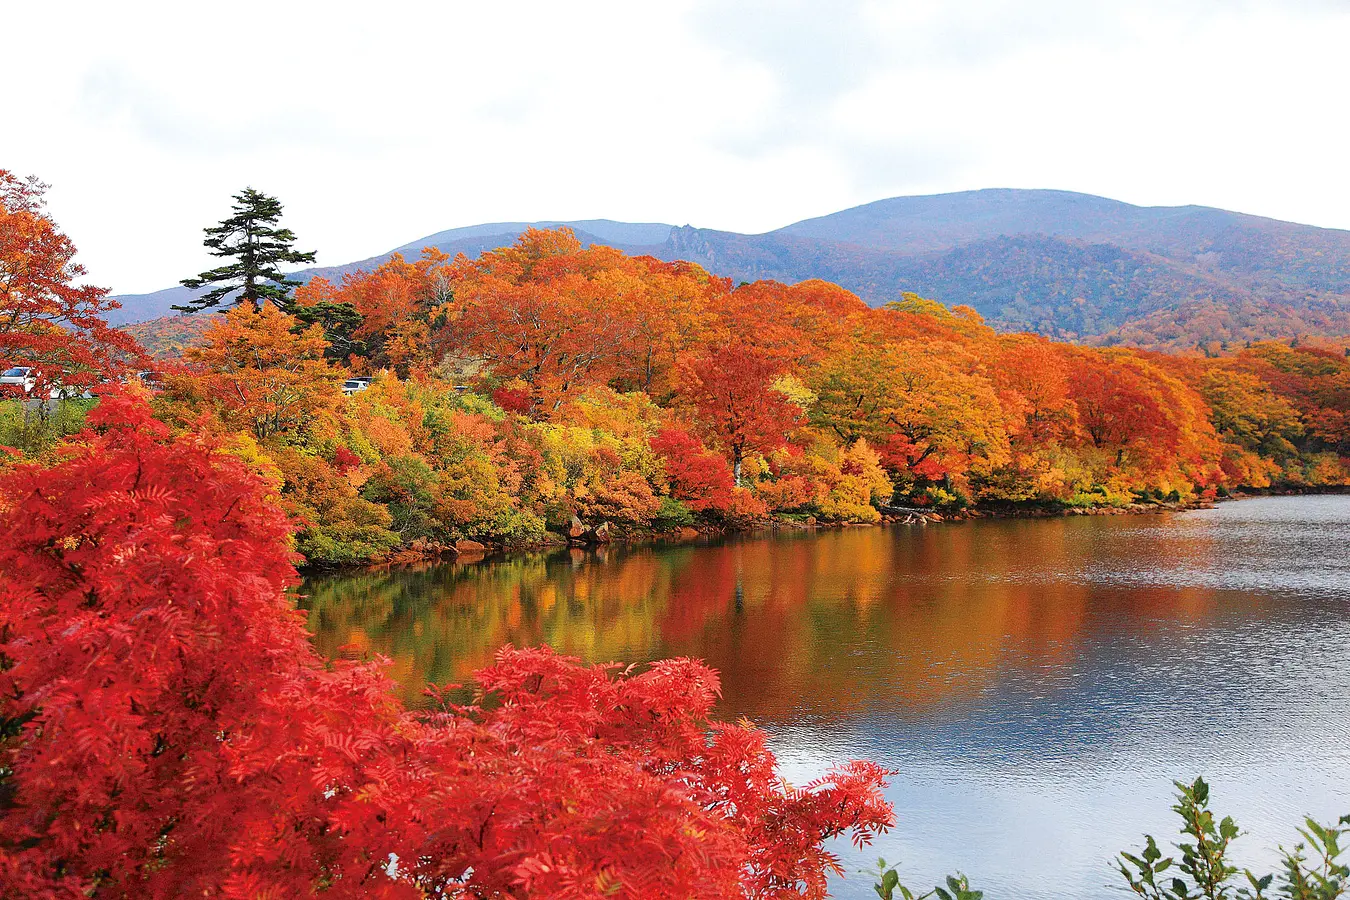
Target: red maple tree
{"x": 732, "y": 388}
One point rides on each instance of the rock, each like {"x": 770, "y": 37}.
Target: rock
{"x": 602, "y": 533}
{"x": 687, "y": 534}
{"x": 467, "y": 546}
{"x": 810, "y": 520}
{"x": 576, "y": 529}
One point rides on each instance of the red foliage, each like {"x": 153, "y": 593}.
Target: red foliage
{"x": 165, "y": 687}
{"x": 516, "y": 400}
{"x": 697, "y": 476}
{"x": 899, "y": 454}
{"x": 167, "y": 729}
{"x": 345, "y": 460}
{"x": 46, "y": 321}
{"x": 732, "y": 389}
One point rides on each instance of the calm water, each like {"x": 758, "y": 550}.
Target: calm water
{"x": 1038, "y": 683}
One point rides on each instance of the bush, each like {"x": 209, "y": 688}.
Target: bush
{"x": 673, "y": 514}
{"x": 32, "y": 427}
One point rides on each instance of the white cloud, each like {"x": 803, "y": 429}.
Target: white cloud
{"x": 378, "y": 124}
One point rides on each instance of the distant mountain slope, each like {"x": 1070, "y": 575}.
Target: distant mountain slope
{"x": 603, "y": 230}
{"x": 1299, "y": 256}
{"x": 1064, "y": 264}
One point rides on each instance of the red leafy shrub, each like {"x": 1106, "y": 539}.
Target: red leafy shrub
{"x": 161, "y": 701}
{"x": 516, "y": 400}
{"x": 345, "y": 460}
{"x": 167, "y": 730}
{"x": 698, "y": 476}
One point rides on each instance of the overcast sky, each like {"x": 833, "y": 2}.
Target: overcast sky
{"x": 379, "y": 122}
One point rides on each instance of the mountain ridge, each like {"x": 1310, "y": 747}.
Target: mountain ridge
{"x": 1069, "y": 265}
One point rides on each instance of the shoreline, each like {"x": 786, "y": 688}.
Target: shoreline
{"x": 471, "y": 551}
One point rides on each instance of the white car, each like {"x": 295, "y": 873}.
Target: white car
{"x": 352, "y": 385}
{"x": 19, "y": 379}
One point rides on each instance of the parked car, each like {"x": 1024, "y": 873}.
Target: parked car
{"x": 352, "y": 385}
{"x": 19, "y": 380}
{"x": 151, "y": 379}
{"x": 67, "y": 392}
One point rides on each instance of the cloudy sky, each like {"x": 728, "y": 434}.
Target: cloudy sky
{"x": 377, "y": 123}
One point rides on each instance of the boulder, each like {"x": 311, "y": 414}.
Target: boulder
{"x": 602, "y": 533}
{"x": 467, "y": 546}
{"x": 576, "y": 529}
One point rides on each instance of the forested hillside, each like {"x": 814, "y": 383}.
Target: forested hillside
{"x": 1069, "y": 266}
{"x": 542, "y": 390}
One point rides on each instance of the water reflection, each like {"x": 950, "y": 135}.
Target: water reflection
{"x": 1037, "y": 682}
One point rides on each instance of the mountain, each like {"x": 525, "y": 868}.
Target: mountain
{"x": 1073, "y": 266}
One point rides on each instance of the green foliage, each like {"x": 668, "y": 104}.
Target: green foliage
{"x": 404, "y": 485}
{"x": 673, "y": 514}
{"x": 888, "y": 886}
{"x": 339, "y": 322}
{"x": 33, "y": 427}
{"x": 1206, "y": 873}
{"x": 1312, "y": 870}
{"x": 345, "y": 543}
{"x": 258, "y": 250}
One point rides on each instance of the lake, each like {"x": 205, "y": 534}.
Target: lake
{"x": 1037, "y": 683}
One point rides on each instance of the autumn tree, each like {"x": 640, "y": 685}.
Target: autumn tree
{"x": 259, "y": 374}
{"x": 795, "y": 324}
{"x": 733, "y": 392}
{"x": 250, "y": 237}
{"x": 560, "y": 318}
{"x": 671, "y": 311}
{"x": 1119, "y": 408}
{"x": 1315, "y": 379}
{"x": 921, "y": 402}
{"x": 384, "y": 316}
{"x": 698, "y": 477}
{"x": 47, "y": 321}
{"x": 1032, "y": 378}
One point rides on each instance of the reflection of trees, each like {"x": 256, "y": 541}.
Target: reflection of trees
{"x": 827, "y": 625}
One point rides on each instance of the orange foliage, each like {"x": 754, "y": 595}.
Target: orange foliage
{"x": 260, "y": 375}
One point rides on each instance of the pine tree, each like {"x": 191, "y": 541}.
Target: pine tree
{"x": 257, "y": 247}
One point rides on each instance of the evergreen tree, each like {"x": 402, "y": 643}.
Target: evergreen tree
{"x": 251, "y": 239}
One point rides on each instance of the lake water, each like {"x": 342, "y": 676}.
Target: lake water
{"x": 1037, "y": 683}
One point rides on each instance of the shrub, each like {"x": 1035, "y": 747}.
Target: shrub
{"x": 673, "y": 514}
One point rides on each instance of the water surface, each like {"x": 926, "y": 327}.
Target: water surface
{"x": 1038, "y": 683}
